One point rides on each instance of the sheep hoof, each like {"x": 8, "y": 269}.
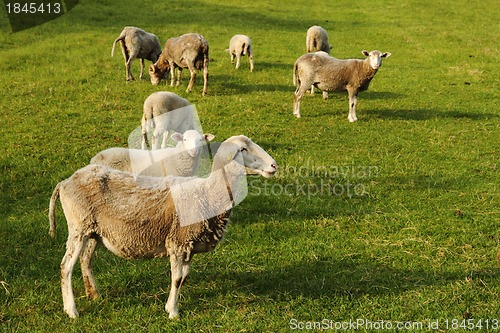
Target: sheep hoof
{"x": 72, "y": 313}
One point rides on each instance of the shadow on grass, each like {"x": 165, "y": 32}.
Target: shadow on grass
{"x": 426, "y": 114}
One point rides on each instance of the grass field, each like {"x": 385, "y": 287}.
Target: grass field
{"x": 394, "y": 218}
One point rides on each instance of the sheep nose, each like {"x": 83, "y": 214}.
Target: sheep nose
{"x": 274, "y": 166}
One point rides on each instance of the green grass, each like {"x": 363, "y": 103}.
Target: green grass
{"x": 394, "y": 218}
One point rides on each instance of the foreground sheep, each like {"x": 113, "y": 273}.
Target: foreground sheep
{"x": 330, "y": 74}
{"x": 137, "y": 217}
{"x": 165, "y": 112}
{"x": 241, "y": 45}
{"x": 182, "y": 160}
{"x": 137, "y": 43}
{"x": 317, "y": 40}
{"x": 187, "y": 51}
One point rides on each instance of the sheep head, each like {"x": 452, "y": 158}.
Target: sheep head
{"x": 375, "y": 58}
{"x": 255, "y": 159}
{"x": 192, "y": 141}
{"x": 156, "y": 74}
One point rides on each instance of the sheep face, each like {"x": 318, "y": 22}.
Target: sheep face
{"x": 255, "y": 159}
{"x": 192, "y": 141}
{"x": 156, "y": 74}
{"x": 375, "y": 58}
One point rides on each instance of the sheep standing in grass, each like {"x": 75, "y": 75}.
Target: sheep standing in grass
{"x": 187, "y": 51}
{"x": 317, "y": 40}
{"x": 241, "y": 45}
{"x": 137, "y": 43}
{"x": 165, "y": 112}
{"x": 330, "y": 74}
{"x": 136, "y": 217}
{"x": 182, "y": 160}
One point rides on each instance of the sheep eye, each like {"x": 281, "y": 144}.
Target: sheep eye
{"x": 243, "y": 149}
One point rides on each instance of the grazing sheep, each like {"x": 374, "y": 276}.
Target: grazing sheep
{"x": 187, "y": 51}
{"x": 330, "y": 74}
{"x": 241, "y": 45}
{"x": 163, "y": 112}
{"x": 137, "y": 217}
{"x": 137, "y": 43}
{"x": 317, "y": 40}
{"x": 182, "y": 160}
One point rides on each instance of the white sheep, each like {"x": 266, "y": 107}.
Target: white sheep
{"x": 330, "y": 74}
{"x": 182, "y": 160}
{"x": 136, "y": 217}
{"x": 165, "y": 112}
{"x": 241, "y": 45}
{"x": 317, "y": 40}
{"x": 137, "y": 43}
{"x": 187, "y": 51}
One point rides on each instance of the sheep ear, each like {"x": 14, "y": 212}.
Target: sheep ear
{"x": 152, "y": 68}
{"x": 386, "y": 55}
{"x": 209, "y": 137}
{"x": 177, "y": 137}
{"x": 366, "y": 53}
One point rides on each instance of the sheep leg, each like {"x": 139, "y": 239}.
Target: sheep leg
{"x": 164, "y": 140}
{"x": 250, "y": 58}
{"x": 297, "y": 97}
{"x": 232, "y": 58}
{"x": 325, "y": 95}
{"x": 177, "y": 269}
{"x": 74, "y": 246}
{"x": 205, "y": 75}
{"x": 86, "y": 267}
{"x": 128, "y": 64}
{"x": 353, "y": 100}
{"x": 192, "y": 80}
{"x": 238, "y": 59}
{"x": 172, "y": 72}
{"x": 142, "y": 69}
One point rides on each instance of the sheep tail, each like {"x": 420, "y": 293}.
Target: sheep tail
{"x": 52, "y": 211}
{"x": 119, "y": 39}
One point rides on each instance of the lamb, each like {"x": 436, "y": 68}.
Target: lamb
{"x": 331, "y": 74}
{"x": 187, "y": 51}
{"x": 182, "y": 160}
{"x": 317, "y": 40}
{"x": 137, "y": 43}
{"x": 241, "y": 45}
{"x": 164, "y": 112}
{"x": 136, "y": 217}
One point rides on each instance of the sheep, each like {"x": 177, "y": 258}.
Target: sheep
{"x": 331, "y": 74}
{"x": 136, "y": 217}
{"x": 241, "y": 45}
{"x": 163, "y": 112}
{"x": 182, "y": 160}
{"x": 317, "y": 40}
{"x": 137, "y": 43}
{"x": 187, "y": 51}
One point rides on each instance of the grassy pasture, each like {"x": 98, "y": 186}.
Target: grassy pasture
{"x": 393, "y": 218}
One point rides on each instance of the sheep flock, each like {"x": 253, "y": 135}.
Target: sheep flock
{"x": 153, "y": 202}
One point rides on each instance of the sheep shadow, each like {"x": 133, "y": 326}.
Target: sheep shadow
{"x": 351, "y": 277}
{"x": 427, "y": 114}
{"x": 230, "y": 85}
